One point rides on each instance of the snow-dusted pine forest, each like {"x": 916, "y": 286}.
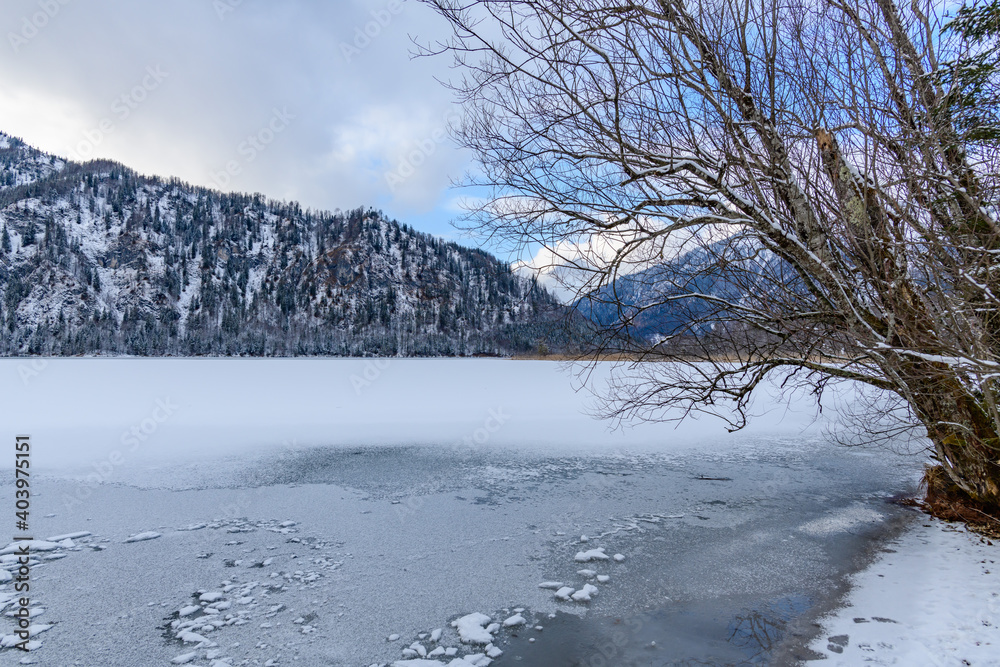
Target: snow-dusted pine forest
{"x": 97, "y": 259}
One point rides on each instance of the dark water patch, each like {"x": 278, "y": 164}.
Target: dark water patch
{"x": 721, "y": 597}
{"x": 722, "y": 632}
{"x": 856, "y": 556}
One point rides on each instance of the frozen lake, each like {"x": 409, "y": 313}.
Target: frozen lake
{"x": 324, "y": 506}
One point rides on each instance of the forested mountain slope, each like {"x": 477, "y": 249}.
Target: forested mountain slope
{"x": 97, "y": 259}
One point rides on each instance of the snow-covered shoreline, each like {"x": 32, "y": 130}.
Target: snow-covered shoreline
{"x": 932, "y": 598}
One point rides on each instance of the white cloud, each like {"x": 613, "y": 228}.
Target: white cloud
{"x": 572, "y": 267}
{"x": 355, "y": 117}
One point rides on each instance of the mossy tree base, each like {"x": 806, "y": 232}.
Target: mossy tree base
{"x": 946, "y": 500}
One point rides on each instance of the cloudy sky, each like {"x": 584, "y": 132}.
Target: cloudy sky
{"x": 313, "y": 100}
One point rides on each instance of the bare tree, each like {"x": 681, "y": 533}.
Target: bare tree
{"x": 784, "y": 177}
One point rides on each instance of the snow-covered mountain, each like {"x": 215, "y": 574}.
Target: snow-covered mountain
{"x": 95, "y": 258}
{"x": 685, "y": 297}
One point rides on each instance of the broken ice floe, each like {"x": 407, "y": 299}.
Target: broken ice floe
{"x": 585, "y": 593}
{"x": 199, "y": 624}
{"x": 31, "y": 545}
{"x": 514, "y": 621}
{"x": 70, "y": 536}
{"x": 471, "y": 628}
{"x": 41, "y": 552}
{"x": 142, "y": 537}
{"x": 564, "y": 593}
{"x": 593, "y": 554}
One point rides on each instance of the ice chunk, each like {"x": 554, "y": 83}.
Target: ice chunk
{"x": 142, "y": 537}
{"x": 514, "y": 621}
{"x": 603, "y": 578}
{"x": 194, "y": 526}
{"x": 593, "y": 554}
{"x": 554, "y": 585}
{"x": 564, "y": 593}
{"x": 185, "y": 658}
{"x": 31, "y": 545}
{"x": 70, "y": 536}
{"x": 189, "y": 637}
{"x": 589, "y": 574}
{"x": 585, "y": 593}
{"x": 619, "y": 558}
{"x": 471, "y": 628}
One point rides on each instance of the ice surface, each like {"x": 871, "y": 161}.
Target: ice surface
{"x": 848, "y": 518}
{"x": 215, "y": 407}
{"x": 385, "y": 539}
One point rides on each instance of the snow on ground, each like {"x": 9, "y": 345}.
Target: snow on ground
{"x": 933, "y": 599}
